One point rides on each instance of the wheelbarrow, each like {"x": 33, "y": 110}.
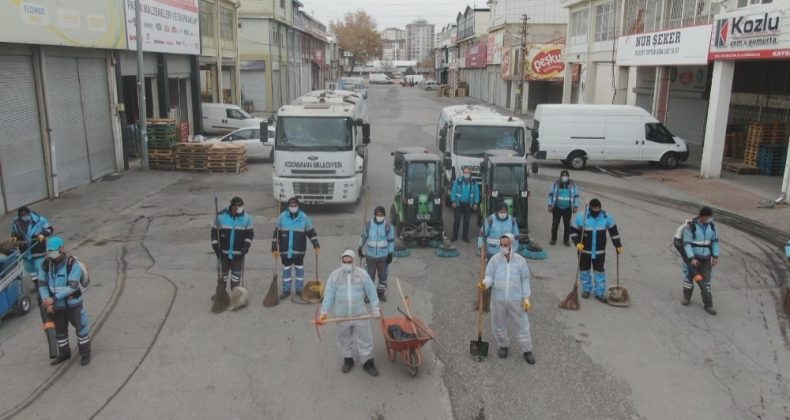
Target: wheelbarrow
{"x": 409, "y": 348}
{"x": 12, "y": 297}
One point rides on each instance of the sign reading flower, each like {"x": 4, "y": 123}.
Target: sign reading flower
{"x": 544, "y": 62}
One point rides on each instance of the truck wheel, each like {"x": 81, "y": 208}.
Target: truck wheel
{"x": 669, "y": 161}
{"x": 577, "y": 160}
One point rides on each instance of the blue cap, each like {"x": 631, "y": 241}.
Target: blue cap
{"x": 54, "y": 243}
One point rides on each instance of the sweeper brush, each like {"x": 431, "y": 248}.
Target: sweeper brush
{"x": 446, "y": 250}
{"x": 531, "y": 250}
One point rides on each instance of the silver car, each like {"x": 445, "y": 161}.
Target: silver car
{"x": 250, "y": 136}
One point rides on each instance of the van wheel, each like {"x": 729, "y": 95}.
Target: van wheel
{"x": 577, "y": 160}
{"x": 669, "y": 161}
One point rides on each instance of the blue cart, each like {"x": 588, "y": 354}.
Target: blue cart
{"x": 12, "y": 297}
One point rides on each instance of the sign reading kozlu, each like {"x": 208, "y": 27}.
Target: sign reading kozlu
{"x": 752, "y": 34}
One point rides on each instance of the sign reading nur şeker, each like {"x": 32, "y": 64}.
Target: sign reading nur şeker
{"x": 683, "y": 46}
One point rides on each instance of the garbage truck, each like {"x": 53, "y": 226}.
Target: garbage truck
{"x": 320, "y": 148}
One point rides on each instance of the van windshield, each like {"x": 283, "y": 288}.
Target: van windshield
{"x": 311, "y": 133}
{"x": 474, "y": 141}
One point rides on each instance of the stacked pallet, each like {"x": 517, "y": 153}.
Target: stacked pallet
{"x": 184, "y": 131}
{"x": 771, "y": 159}
{"x": 227, "y": 158}
{"x": 162, "y": 140}
{"x": 735, "y": 145}
{"x": 192, "y": 157}
{"x": 763, "y": 134}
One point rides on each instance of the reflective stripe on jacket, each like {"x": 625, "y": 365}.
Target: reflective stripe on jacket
{"x": 594, "y": 231}
{"x": 235, "y": 233}
{"x": 378, "y": 239}
{"x": 293, "y": 232}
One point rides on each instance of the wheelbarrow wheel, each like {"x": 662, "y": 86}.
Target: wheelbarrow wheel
{"x": 413, "y": 364}
{"x": 391, "y": 354}
{"x": 23, "y": 306}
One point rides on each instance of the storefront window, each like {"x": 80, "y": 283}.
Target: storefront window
{"x": 642, "y": 16}
{"x": 226, "y": 28}
{"x": 207, "y": 24}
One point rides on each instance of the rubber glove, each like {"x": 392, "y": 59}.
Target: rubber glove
{"x": 620, "y": 250}
{"x": 580, "y": 247}
{"x": 41, "y": 239}
{"x": 317, "y": 251}
{"x": 275, "y": 254}
{"x": 527, "y": 305}
{"x": 481, "y": 285}
{"x": 322, "y": 319}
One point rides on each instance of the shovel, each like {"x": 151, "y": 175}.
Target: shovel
{"x": 618, "y": 295}
{"x": 479, "y": 348}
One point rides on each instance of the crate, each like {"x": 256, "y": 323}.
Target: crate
{"x": 162, "y": 132}
{"x": 768, "y": 133}
{"x": 771, "y": 159}
{"x": 735, "y": 145}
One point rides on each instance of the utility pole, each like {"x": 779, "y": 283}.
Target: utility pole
{"x": 143, "y": 124}
{"x": 520, "y": 70}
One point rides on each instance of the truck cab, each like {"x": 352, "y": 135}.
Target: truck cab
{"x": 465, "y": 132}
{"x": 320, "y": 148}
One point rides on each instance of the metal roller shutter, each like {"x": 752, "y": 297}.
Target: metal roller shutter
{"x": 68, "y": 129}
{"x": 253, "y": 88}
{"x": 98, "y": 121}
{"x": 22, "y": 159}
{"x": 687, "y": 118}
{"x": 645, "y": 102}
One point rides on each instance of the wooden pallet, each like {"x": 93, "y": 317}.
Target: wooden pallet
{"x": 739, "y": 168}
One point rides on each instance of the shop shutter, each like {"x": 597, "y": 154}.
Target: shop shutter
{"x": 687, "y": 118}
{"x": 68, "y": 128}
{"x": 22, "y": 158}
{"x": 253, "y": 88}
{"x": 98, "y": 121}
{"x": 645, "y": 102}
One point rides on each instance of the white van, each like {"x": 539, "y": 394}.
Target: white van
{"x": 379, "y": 78}
{"x": 577, "y": 133}
{"x": 414, "y": 78}
{"x": 224, "y": 118}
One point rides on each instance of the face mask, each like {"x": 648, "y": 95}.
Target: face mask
{"x": 293, "y": 209}
{"x": 505, "y": 250}
{"x": 594, "y": 213}
{"x": 564, "y": 179}
{"x": 347, "y": 267}
{"x": 239, "y": 210}
{"x": 502, "y": 216}
{"x": 467, "y": 176}
{"x": 379, "y": 219}
{"x": 53, "y": 255}
{"x": 26, "y": 218}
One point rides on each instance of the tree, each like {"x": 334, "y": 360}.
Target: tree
{"x": 409, "y": 71}
{"x": 357, "y": 34}
{"x": 387, "y": 67}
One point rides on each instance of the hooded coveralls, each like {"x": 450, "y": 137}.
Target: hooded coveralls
{"x": 61, "y": 281}
{"x": 593, "y": 235}
{"x": 290, "y": 239}
{"x": 509, "y": 281}
{"x": 378, "y": 239}
{"x": 344, "y": 296}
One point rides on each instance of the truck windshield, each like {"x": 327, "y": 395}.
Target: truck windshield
{"x": 473, "y": 140}
{"x": 508, "y": 180}
{"x": 311, "y": 133}
{"x": 421, "y": 178}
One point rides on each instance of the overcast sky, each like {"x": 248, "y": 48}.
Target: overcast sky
{"x": 388, "y": 13}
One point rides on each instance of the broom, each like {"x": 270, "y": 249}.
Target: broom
{"x": 238, "y": 295}
{"x": 272, "y": 297}
{"x": 221, "y": 298}
{"x": 571, "y": 302}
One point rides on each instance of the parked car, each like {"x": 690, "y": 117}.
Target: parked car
{"x": 430, "y": 85}
{"x": 257, "y": 148}
{"x": 224, "y": 118}
{"x": 379, "y": 78}
{"x": 577, "y": 133}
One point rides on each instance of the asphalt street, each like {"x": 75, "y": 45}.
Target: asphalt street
{"x": 159, "y": 353}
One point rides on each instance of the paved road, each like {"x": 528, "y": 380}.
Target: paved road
{"x": 159, "y": 353}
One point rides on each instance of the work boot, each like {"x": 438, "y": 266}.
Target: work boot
{"x": 348, "y": 364}
{"x": 502, "y": 353}
{"x": 60, "y": 359}
{"x": 85, "y": 360}
{"x": 382, "y": 296}
{"x": 601, "y": 298}
{"x": 553, "y": 242}
{"x": 284, "y": 295}
{"x": 686, "y": 297}
{"x": 585, "y": 295}
{"x": 529, "y": 357}
{"x": 299, "y": 294}
{"x": 370, "y": 368}
{"x": 568, "y": 244}
{"x": 466, "y": 239}
{"x": 709, "y": 309}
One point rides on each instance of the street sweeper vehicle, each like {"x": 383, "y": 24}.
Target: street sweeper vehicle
{"x": 504, "y": 179}
{"x": 320, "y": 148}
{"x": 465, "y": 132}
{"x": 416, "y": 211}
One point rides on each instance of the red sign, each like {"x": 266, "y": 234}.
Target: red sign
{"x": 475, "y": 55}
{"x": 544, "y": 62}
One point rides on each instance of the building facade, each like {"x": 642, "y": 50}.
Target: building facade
{"x": 419, "y": 40}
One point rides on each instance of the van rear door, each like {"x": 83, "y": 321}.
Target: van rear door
{"x": 624, "y": 137}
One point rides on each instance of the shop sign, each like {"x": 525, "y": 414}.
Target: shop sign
{"x": 169, "y": 26}
{"x": 494, "y": 46}
{"x": 544, "y": 62}
{"x": 688, "y": 78}
{"x": 507, "y": 59}
{"x": 752, "y": 33}
{"x": 475, "y": 55}
{"x": 73, "y": 23}
{"x": 682, "y": 46}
